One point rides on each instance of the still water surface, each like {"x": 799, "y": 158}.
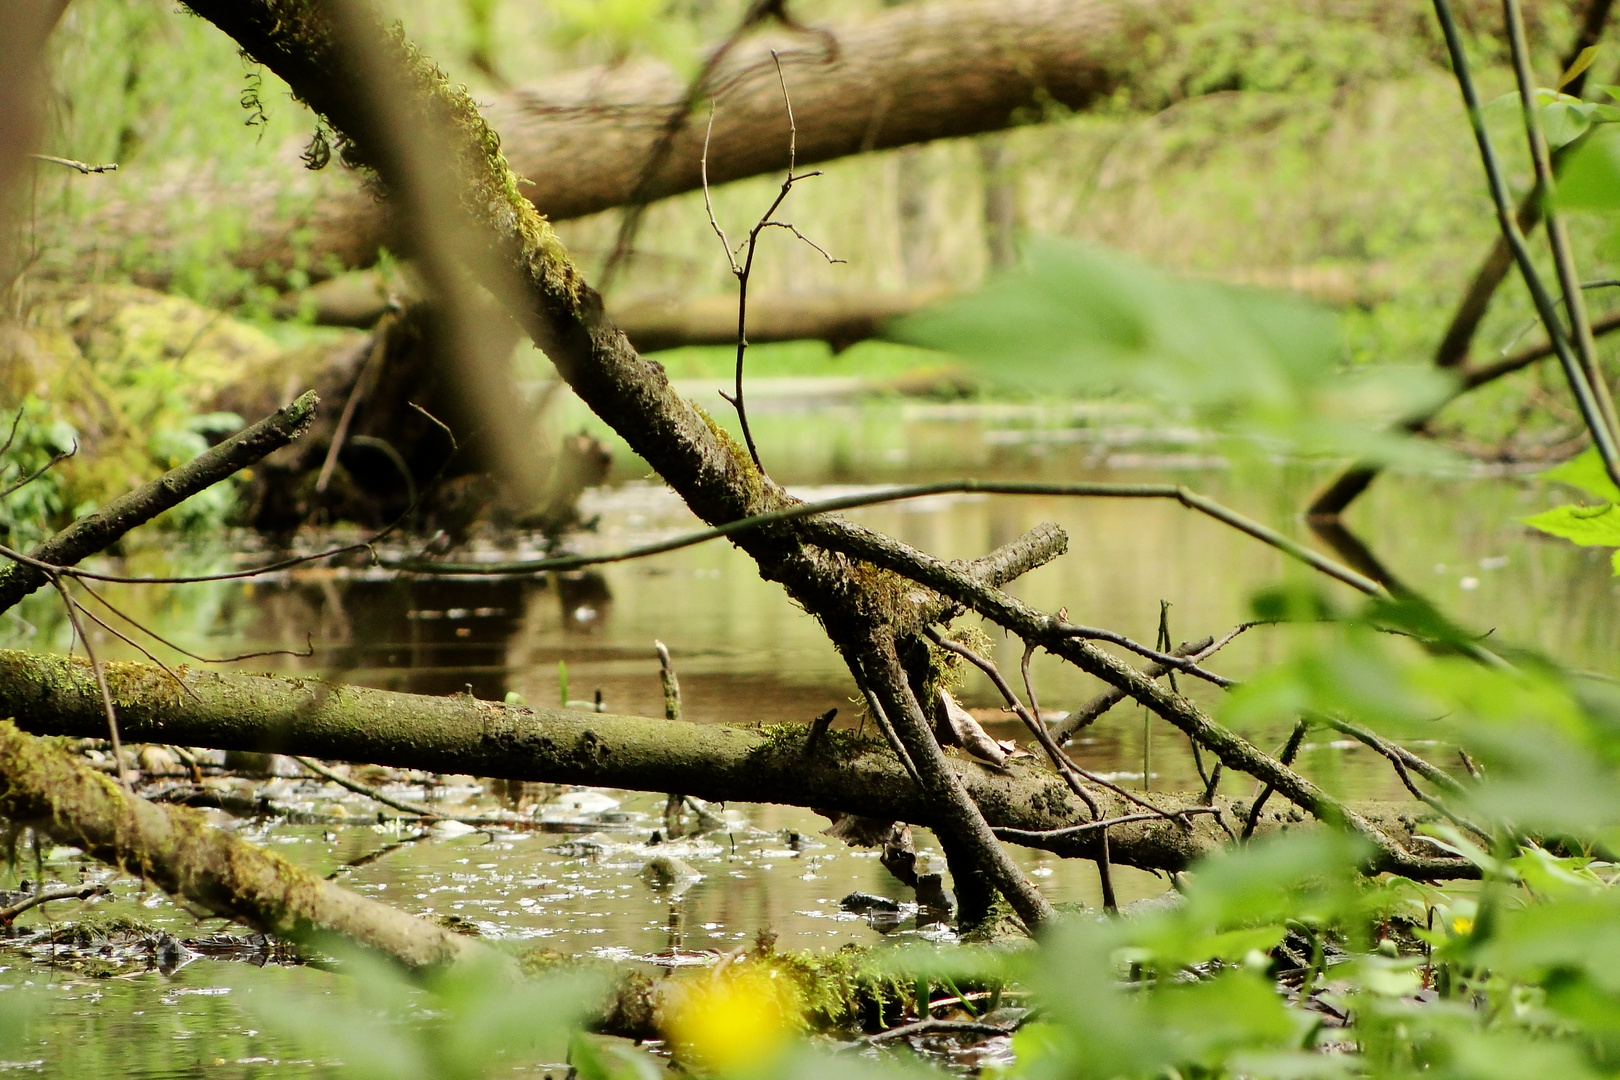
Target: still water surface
{"x": 744, "y": 655}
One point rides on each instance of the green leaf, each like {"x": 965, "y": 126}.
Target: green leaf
{"x": 1591, "y": 177}
{"x": 1582, "y": 62}
{"x": 1565, "y": 121}
{"x": 1586, "y": 472}
{"x": 1588, "y": 526}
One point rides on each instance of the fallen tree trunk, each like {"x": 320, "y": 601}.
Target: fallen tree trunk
{"x": 654, "y": 323}
{"x": 180, "y": 852}
{"x": 925, "y": 71}
{"x": 914, "y": 74}
{"x": 54, "y": 695}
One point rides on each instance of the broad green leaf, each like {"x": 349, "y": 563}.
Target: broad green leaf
{"x": 1586, "y": 472}
{"x": 1591, "y": 177}
{"x": 1588, "y": 526}
{"x": 1563, "y": 118}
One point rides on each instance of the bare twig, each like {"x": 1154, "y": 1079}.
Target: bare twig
{"x": 881, "y": 719}
{"x": 1035, "y": 838}
{"x": 1060, "y": 760}
{"x": 1574, "y": 373}
{"x": 16, "y": 423}
{"x": 743, "y": 271}
{"x": 1167, "y": 660}
{"x": 56, "y": 459}
{"x": 1286, "y": 757}
{"x": 399, "y": 804}
{"x": 9, "y": 913}
{"x": 132, "y": 643}
{"x": 377, "y": 349}
{"x": 1402, "y": 760}
{"x": 80, "y": 167}
{"x": 1183, "y": 495}
{"x": 308, "y": 651}
{"x": 72, "y": 606}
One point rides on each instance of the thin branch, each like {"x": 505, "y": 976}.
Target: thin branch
{"x": 794, "y": 229}
{"x": 881, "y": 719}
{"x": 56, "y": 460}
{"x": 708, "y": 202}
{"x": 399, "y": 804}
{"x": 132, "y": 643}
{"x": 1169, "y": 661}
{"x": 744, "y": 272}
{"x": 309, "y": 649}
{"x": 83, "y": 168}
{"x": 1574, "y": 374}
{"x": 1065, "y": 767}
{"x": 16, "y": 422}
{"x": 1188, "y": 498}
{"x": 9, "y": 913}
{"x": 1039, "y": 838}
{"x": 1557, "y": 234}
{"x": 1403, "y": 760}
{"x": 376, "y": 350}
{"x": 72, "y": 606}
{"x": 1431, "y": 773}
{"x": 1286, "y": 757}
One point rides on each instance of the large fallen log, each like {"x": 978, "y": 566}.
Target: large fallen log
{"x": 180, "y": 852}
{"x": 55, "y": 695}
{"x": 917, "y": 73}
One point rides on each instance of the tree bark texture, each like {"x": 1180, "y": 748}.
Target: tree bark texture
{"x": 54, "y": 695}
{"x": 179, "y": 851}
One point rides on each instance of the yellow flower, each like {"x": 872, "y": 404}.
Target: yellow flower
{"x": 1462, "y": 924}
{"x": 738, "y": 1019}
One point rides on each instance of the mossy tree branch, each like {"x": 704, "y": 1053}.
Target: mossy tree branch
{"x": 91, "y": 534}
{"x": 55, "y": 695}
{"x": 177, "y": 850}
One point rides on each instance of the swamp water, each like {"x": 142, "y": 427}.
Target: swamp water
{"x": 151, "y": 1002}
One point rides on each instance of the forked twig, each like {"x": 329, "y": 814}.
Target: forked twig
{"x": 743, "y": 271}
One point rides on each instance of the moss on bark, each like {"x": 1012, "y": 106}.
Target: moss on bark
{"x": 178, "y": 851}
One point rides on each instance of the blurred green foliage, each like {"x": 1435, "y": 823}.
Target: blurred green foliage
{"x": 1258, "y": 364}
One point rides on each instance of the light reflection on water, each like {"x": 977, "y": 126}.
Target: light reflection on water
{"x": 746, "y": 655}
